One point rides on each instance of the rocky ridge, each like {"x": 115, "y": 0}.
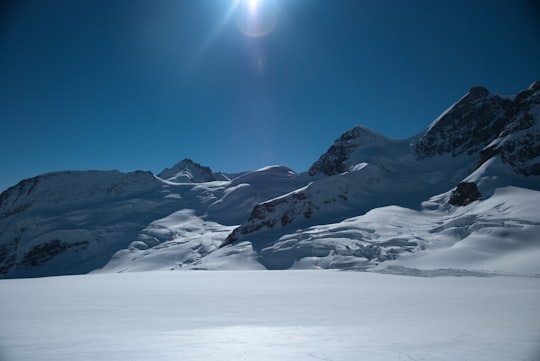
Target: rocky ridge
{"x": 490, "y": 125}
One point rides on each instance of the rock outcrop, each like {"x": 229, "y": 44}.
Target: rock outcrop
{"x": 464, "y": 194}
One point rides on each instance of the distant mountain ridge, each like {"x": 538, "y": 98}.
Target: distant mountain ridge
{"x": 189, "y": 217}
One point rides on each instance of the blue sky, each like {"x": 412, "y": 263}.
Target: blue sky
{"x": 133, "y": 84}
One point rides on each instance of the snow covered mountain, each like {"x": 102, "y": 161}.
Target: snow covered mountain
{"x": 461, "y": 195}
{"x": 75, "y": 222}
{"x": 365, "y": 170}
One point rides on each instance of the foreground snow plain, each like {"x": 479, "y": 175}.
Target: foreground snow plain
{"x": 269, "y": 315}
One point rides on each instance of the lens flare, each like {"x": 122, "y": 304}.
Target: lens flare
{"x": 256, "y": 19}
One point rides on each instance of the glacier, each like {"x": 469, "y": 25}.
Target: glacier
{"x": 269, "y": 315}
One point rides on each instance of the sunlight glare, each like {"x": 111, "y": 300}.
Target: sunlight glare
{"x": 257, "y": 19}
{"x": 211, "y": 38}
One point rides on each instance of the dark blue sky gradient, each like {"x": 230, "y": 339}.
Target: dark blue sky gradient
{"x": 133, "y": 84}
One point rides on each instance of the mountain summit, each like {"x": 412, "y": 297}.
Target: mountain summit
{"x": 489, "y": 124}
{"x": 461, "y": 195}
{"x": 187, "y": 171}
{"x": 359, "y": 139}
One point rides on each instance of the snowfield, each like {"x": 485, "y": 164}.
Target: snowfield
{"x": 269, "y": 315}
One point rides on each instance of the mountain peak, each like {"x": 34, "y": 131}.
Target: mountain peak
{"x": 187, "y": 171}
{"x": 359, "y": 131}
{"x": 489, "y": 125}
{"x": 334, "y": 161}
{"x": 478, "y": 92}
{"x": 467, "y": 126}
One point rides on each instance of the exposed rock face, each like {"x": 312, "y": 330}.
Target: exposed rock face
{"x": 280, "y": 211}
{"x": 468, "y": 126}
{"x": 465, "y": 193}
{"x": 43, "y": 252}
{"x": 518, "y": 143}
{"x": 489, "y": 125}
{"x": 334, "y": 160}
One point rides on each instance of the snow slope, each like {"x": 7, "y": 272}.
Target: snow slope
{"x": 73, "y": 222}
{"x": 496, "y": 235}
{"x": 77, "y": 222}
{"x": 288, "y": 315}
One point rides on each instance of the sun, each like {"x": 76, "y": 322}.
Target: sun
{"x": 256, "y": 18}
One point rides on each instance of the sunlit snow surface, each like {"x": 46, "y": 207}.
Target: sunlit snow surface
{"x": 262, "y": 315}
